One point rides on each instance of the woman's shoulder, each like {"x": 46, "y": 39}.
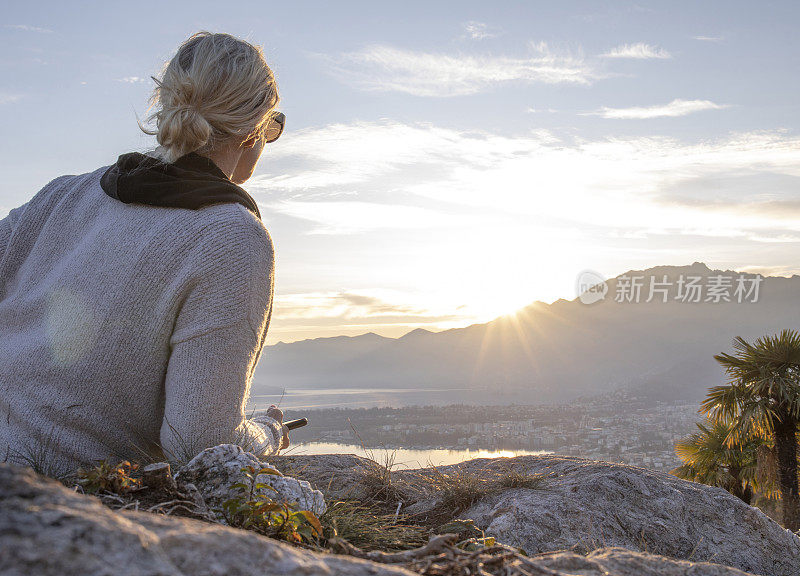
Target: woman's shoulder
{"x": 232, "y": 224}
{"x": 228, "y": 237}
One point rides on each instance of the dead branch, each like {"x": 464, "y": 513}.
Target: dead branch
{"x": 436, "y": 545}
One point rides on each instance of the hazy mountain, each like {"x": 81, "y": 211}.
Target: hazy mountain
{"x": 554, "y": 352}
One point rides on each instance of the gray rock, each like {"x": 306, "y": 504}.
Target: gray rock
{"x": 215, "y": 470}
{"x": 49, "y": 530}
{"x": 339, "y": 476}
{"x": 622, "y": 562}
{"x": 587, "y": 505}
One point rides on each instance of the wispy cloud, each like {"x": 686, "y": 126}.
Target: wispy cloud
{"x": 674, "y": 109}
{"x": 488, "y": 202}
{"x": 622, "y": 183}
{"x": 785, "y": 271}
{"x": 638, "y": 51}
{"x": 479, "y": 30}
{"x": 349, "y": 217}
{"x": 358, "y": 304}
{"x": 299, "y": 315}
{"x": 9, "y": 98}
{"x": 383, "y": 151}
{"x": 132, "y": 79}
{"x": 387, "y": 68}
{"x": 709, "y": 38}
{"x": 28, "y": 28}
{"x": 532, "y": 110}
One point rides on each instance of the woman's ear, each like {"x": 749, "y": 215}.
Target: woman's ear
{"x": 250, "y": 142}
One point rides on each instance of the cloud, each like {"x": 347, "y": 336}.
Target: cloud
{"x": 349, "y": 305}
{"x": 332, "y": 313}
{"x": 349, "y": 217}
{"x": 386, "y": 68}
{"x": 478, "y": 31}
{"x": 767, "y": 193}
{"x": 7, "y": 98}
{"x": 638, "y": 51}
{"x": 496, "y": 210}
{"x": 533, "y": 110}
{"x": 786, "y": 271}
{"x": 414, "y": 174}
{"x": 28, "y": 28}
{"x": 359, "y": 152}
{"x": 131, "y": 79}
{"x": 709, "y": 38}
{"x": 674, "y": 109}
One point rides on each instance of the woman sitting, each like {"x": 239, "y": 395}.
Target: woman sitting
{"x": 135, "y": 299}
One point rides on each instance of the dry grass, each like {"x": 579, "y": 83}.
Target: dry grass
{"x": 376, "y": 481}
{"x": 515, "y": 479}
{"x": 458, "y": 490}
{"x": 369, "y": 528}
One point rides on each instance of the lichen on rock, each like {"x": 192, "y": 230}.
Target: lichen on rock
{"x": 214, "y": 472}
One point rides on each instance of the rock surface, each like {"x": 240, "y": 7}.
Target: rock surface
{"x": 584, "y": 505}
{"x": 340, "y": 476}
{"x": 214, "y": 471}
{"x": 48, "y": 530}
{"x": 589, "y": 505}
{"x": 623, "y": 562}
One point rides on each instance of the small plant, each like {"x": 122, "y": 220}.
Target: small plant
{"x": 476, "y": 544}
{"x": 463, "y": 528}
{"x": 106, "y": 477}
{"x": 256, "y": 511}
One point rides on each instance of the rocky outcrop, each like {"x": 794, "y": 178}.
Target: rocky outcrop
{"x": 586, "y": 505}
{"x": 214, "y": 472}
{"x": 48, "y": 530}
{"x": 583, "y": 505}
{"x": 622, "y": 562}
{"x": 341, "y": 476}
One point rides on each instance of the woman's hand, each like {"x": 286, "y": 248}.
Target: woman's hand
{"x": 277, "y": 414}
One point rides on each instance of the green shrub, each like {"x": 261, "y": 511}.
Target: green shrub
{"x": 256, "y": 511}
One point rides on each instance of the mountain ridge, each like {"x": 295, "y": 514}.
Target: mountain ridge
{"x": 553, "y": 352}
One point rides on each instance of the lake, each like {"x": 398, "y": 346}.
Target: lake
{"x": 406, "y": 457}
{"x": 309, "y": 399}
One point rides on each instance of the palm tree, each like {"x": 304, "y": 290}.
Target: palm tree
{"x": 763, "y": 399}
{"x": 709, "y": 458}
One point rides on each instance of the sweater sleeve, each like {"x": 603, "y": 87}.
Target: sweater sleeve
{"x": 215, "y": 345}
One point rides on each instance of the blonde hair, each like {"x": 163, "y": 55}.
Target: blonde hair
{"x": 216, "y": 88}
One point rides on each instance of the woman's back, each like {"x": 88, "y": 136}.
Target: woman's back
{"x": 112, "y": 313}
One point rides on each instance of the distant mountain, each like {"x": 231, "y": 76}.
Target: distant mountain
{"x": 557, "y": 352}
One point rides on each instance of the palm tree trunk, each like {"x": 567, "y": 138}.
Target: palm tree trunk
{"x": 739, "y": 488}
{"x": 786, "y": 447}
{"x": 747, "y": 495}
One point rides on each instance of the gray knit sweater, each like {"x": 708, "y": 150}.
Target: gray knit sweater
{"x": 129, "y": 331}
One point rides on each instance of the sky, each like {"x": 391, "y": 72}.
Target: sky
{"x": 445, "y": 163}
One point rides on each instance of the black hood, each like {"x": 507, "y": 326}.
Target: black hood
{"x": 192, "y": 181}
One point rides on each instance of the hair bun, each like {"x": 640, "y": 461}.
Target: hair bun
{"x": 183, "y": 129}
{"x": 215, "y": 87}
